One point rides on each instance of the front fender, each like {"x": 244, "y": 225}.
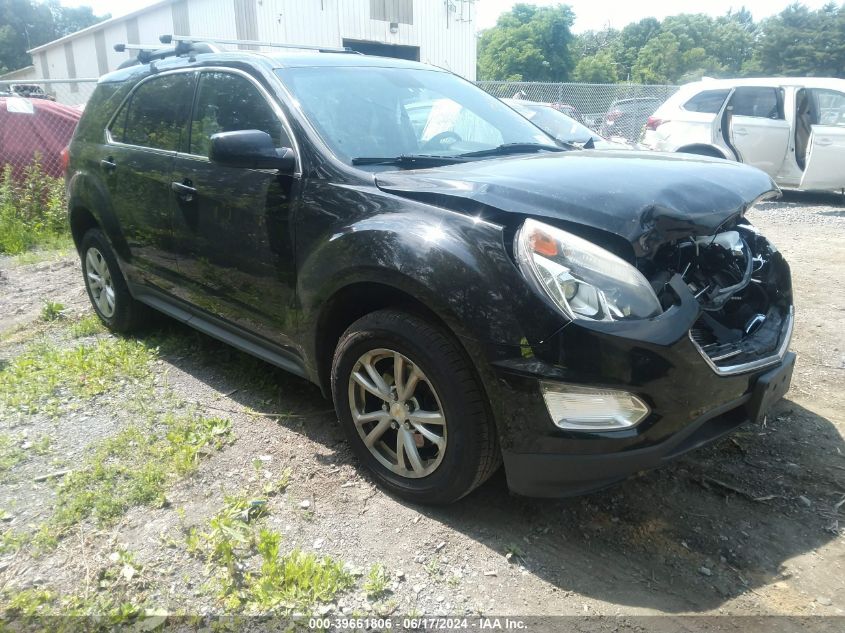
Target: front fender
{"x": 457, "y": 265}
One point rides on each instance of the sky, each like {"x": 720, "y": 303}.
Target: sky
{"x": 590, "y": 14}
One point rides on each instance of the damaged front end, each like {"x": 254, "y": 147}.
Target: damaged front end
{"x": 743, "y": 287}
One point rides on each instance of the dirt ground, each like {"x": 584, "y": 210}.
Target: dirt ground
{"x": 753, "y": 525}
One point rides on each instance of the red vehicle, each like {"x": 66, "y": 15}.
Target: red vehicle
{"x": 30, "y": 127}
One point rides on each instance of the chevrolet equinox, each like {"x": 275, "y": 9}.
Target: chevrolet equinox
{"x": 468, "y": 291}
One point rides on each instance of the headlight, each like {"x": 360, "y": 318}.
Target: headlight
{"x": 584, "y": 280}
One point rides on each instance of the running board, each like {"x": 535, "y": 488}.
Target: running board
{"x": 260, "y": 348}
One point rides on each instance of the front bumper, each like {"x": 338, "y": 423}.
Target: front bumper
{"x": 559, "y": 475}
{"x": 691, "y": 403}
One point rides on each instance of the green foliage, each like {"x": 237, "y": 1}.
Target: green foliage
{"x": 25, "y": 24}
{"x": 52, "y": 311}
{"x": 681, "y": 48}
{"x": 32, "y": 210}
{"x": 294, "y": 580}
{"x": 528, "y": 44}
{"x": 377, "y": 581}
{"x": 11, "y": 453}
{"x": 44, "y": 375}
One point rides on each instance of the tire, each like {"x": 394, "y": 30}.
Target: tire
{"x": 109, "y": 296}
{"x": 449, "y": 386}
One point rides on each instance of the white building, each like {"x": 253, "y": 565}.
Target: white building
{"x": 438, "y": 32}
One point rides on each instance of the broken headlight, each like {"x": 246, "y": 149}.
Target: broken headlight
{"x": 584, "y": 280}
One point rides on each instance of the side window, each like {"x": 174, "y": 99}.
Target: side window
{"x": 756, "y": 102}
{"x": 709, "y": 101}
{"x": 226, "y": 103}
{"x": 831, "y": 107}
{"x": 157, "y": 114}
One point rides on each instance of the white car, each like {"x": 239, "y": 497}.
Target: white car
{"x": 791, "y": 128}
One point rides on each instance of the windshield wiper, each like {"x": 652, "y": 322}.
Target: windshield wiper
{"x": 514, "y": 148}
{"x": 408, "y": 160}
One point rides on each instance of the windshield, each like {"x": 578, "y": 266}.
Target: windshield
{"x": 387, "y": 112}
{"x": 556, "y": 123}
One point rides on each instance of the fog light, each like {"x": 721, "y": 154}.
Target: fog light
{"x": 584, "y": 409}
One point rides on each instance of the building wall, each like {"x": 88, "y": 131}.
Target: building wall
{"x": 444, "y": 30}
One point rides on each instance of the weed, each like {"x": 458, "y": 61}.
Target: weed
{"x": 41, "y": 446}
{"x": 88, "y": 325}
{"x": 280, "y": 485}
{"x": 41, "y": 378}
{"x": 31, "y": 209}
{"x": 295, "y": 580}
{"x": 52, "y": 311}
{"x": 376, "y": 581}
{"x": 432, "y": 567}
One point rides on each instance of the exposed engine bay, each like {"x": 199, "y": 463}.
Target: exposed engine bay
{"x": 743, "y": 286}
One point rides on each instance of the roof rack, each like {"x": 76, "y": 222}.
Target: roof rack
{"x": 151, "y": 52}
{"x": 195, "y": 39}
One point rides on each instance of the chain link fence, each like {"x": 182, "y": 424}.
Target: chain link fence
{"x": 37, "y": 120}
{"x": 612, "y": 110}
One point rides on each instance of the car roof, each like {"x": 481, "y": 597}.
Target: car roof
{"x": 809, "y": 82}
{"x": 271, "y": 60}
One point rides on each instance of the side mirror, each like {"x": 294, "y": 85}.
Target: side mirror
{"x": 250, "y": 149}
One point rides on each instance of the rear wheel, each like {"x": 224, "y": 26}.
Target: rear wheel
{"x": 412, "y": 408}
{"x": 106, "y": 286}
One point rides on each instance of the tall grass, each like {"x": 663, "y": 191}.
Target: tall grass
{"x": 32, "y": 210}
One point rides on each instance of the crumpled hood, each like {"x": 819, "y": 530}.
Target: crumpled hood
{"x": 647, "y": 198}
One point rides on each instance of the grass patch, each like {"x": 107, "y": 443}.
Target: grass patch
{"x": 89, "y": 325}
{"x": 253, "y": 574}
{"x": 32, "y": 210}
{"x": 11, "y": 453}
{"x": 41, "y": 378}
{"x": 134, "y": 467}
{"x": 52, "y": 311}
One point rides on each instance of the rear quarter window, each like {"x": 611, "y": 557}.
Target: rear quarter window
{"x": 156, "y": 115}
{"x": 708, "y": 101}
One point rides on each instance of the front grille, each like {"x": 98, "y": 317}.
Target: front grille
{"x": 764, "y": 347}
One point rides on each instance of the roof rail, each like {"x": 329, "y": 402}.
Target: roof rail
{"x": 151, "y": 52}
{"x": 194, "y": 39}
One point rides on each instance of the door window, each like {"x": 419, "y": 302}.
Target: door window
{"x": 156, "y": 115}
{"x": 227, "y": 102}
{"x": 757, "y": 102}
{"x": 708, "y": 101}
{"x": 831, "y": 107}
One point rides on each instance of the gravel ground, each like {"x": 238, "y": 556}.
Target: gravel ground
{"x": 750, "y": 526}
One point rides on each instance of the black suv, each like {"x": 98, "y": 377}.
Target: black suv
{"x": 465, "y": 289}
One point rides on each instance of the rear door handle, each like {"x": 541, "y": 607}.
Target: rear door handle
{"x": 108, "y": 164}
{"x": 184, "y": 191}
{"x": 740, "y": 131}
{"x": 823, "y": 142}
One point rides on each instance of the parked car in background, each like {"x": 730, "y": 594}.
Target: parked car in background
{"x": 569, "y": 110}
{"x": 467, "y": 291}
{"x": 562, "y": 127}
{"x": 792, "y": 128}
{"x": 35, "y": 127}
{"x": 626, "y": 118}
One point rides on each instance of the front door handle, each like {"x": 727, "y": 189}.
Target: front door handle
{"x": 823, "y": 142}
{"x": 184, "y": 190}
{"x": 108, "y": 164}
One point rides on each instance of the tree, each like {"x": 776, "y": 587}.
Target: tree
{"x": 30, "y": 23}
{"x": 798, "y": 41}
{"x": 528, "y": 43}
{"x": 597, "y": 69}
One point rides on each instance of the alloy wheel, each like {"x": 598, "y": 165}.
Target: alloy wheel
{"x": 397, "y": 413}
{"x": 99, "y": 281}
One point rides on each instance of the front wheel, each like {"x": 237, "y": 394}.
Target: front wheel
{"x": 412, "y": 408}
